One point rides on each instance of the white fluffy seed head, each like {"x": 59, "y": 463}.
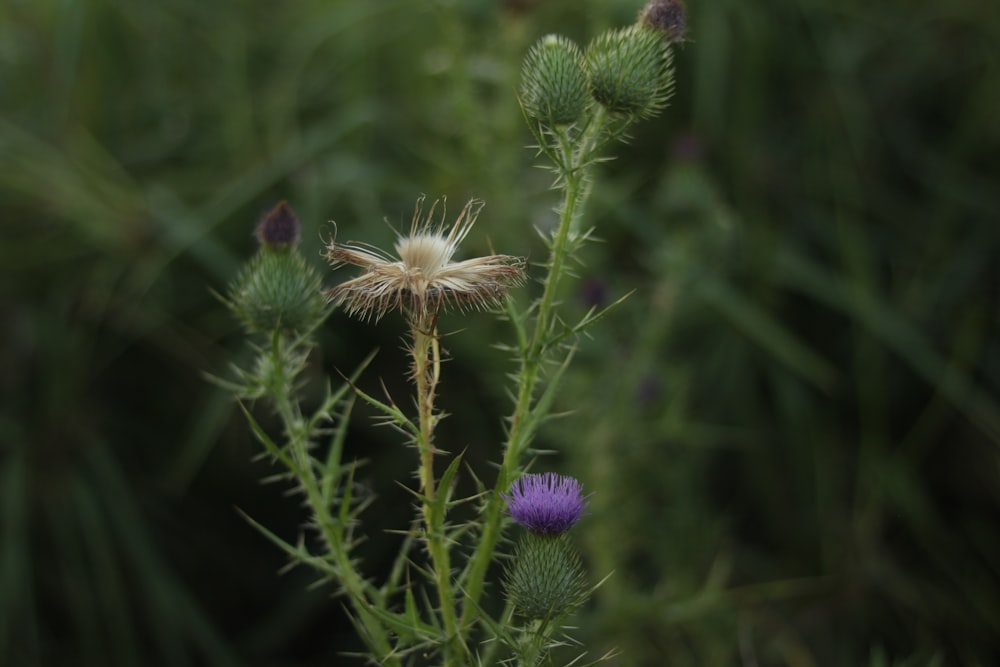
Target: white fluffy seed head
{"x": 425, "y": 252}
{"x": 424, "y": 279}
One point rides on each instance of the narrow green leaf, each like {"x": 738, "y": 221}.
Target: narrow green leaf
{"x": 494, "y": 627}
{"x": 769, "y": 333}
{"x": 408, "y": 629}
{"x": 395, "y": 415}
{"x": 410, "y": 608}
{"x": 593, "y": 317}
{"x": 278, "y": 453}
{"x": 517, "y": 320}
{"x": 398, "y": 566}
{"x": 345, "y": 513}
{"x": 543, "y": 405}
{"x": 332, "y": 467}
{"x": 445, "y": 485}
{"x": 297, "y": 552}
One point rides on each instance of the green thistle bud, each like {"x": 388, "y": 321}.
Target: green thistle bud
{"x": 630, "y": 70}
{"x": 545, "y": 579}
{"x": 278, "y": 291}
{"x": 553, "y": 83}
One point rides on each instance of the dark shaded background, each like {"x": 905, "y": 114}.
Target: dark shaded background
{"x": 792, "y": 428}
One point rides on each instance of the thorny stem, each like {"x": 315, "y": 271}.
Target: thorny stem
{"x": 426, "y": 372}
{"x": 529, "y": 652}
{"x": 575, "y": 183}
{"x": 351, "y": 581}
{"x": 426, "y": 352}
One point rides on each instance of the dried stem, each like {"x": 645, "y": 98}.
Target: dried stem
{"x": 426, "y": 351}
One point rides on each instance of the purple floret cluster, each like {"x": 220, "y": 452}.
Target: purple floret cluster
{"x": 546, "y": 503}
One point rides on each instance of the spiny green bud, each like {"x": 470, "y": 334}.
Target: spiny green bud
{"x": 630, "y": 70}
{"x": 553, "y": 83}
{"x": 545, "y": 578}
{"x": 277, "y": 291}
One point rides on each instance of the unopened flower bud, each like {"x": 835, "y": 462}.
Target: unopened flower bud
{"x": 278, "y": 291}
{"x": 545, "y": 579}
{"x": 279, "y": 229}
{"x": 630, "y": 70}
{"x": 667, "y": 16}
{"x": 553, "y": 83}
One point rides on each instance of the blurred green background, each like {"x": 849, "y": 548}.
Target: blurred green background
{"x": 792, "y": 429}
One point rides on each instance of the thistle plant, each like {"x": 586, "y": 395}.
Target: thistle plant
{"x": 435, "y": 605}
{"x": 544, "y": 581}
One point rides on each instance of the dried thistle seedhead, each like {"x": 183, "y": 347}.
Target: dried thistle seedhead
{"x": 423, "y": 278}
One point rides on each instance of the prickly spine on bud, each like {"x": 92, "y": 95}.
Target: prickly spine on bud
{"x": 630, "y": 70}
{"x": 554, "y": 86}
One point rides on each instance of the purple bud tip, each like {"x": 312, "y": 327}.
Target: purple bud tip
{"x": 546, "y": 503}
{"x": 667, "y": 16}
{"x": 279, "y": 228}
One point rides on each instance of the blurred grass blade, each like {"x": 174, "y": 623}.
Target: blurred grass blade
{"x": 768, "y": 332}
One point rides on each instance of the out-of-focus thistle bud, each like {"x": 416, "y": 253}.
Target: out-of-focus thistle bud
{"x": 667, "y": 16}
{"x": 277, "y": 290}
{"x": 553, "y": 83}
{"x": 630, "y": 70}
{"x": 279, "y": 229}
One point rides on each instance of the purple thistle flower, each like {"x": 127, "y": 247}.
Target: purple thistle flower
{"x": 546, "y": 503}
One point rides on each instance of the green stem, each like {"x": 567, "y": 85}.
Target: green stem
{"x": 332, "y": 532}
{"x": 575, "y": 183}
{"x": 426, "y": 373}
{"x": 532, "y": 644}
